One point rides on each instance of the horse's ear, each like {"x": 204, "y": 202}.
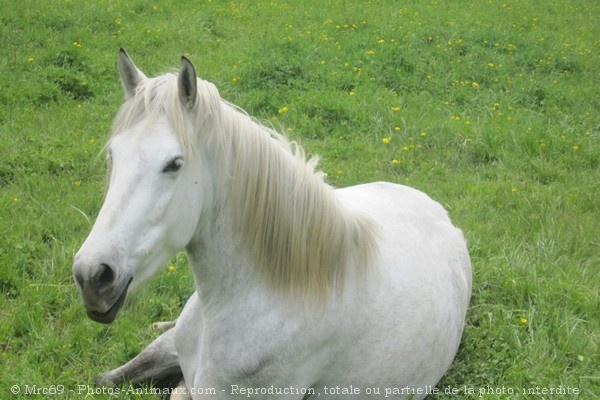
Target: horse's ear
{"x": 131, "y": 76}
{"x": 186, "y": 83}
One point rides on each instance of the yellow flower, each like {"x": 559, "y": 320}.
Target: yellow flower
{"x": 234, "y": 80}
{"x": 575, "y": 147}
{"x": 522, "y": 320}
{"x": 395, "y": 108}
{"x": 77, "y": 44}
{"x": 282, "y": 110}
{"x": 171, "y": 268}
{"x": 423, "y": 134}
{"x": 30, "y": 59}
{"x": 381, "y": 41}
{"x": 475, "y": 85}
{"x": 351, "y": 93}
{"x": 395, "y": 162}
{"x": 397, "y": 128}
{"x": 386, "y": 140}
{"x": 371, "y": 52}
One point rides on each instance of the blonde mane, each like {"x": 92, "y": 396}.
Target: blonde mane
{"x": 300, "y": 237}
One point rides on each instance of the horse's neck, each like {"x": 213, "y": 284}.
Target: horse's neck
{"x": 275, "y": 223}
{"x": 220, "y": 268}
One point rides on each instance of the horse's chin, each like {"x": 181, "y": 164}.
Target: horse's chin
{"x": 110, "y": 315}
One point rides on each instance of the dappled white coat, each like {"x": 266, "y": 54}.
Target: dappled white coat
{"x": 299, "y": 287}
{"x": 401, "y": 327}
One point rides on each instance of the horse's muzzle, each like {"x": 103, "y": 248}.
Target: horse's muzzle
{"x": 110, "y": 315}
{"x": 102, "y": 291}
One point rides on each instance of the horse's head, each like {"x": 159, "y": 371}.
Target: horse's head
{"x": 153, "y": 205}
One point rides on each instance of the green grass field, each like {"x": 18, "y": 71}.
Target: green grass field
{"x": 491, "y": 107}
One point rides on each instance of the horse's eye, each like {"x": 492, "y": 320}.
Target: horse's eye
{"x": 173, "y": 165}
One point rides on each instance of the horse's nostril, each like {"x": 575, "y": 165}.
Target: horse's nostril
{"x": 104, "y": 278}
{"x": 79, "y": 279}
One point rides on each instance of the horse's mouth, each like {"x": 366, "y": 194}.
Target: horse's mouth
{"x": 110, "y": 315}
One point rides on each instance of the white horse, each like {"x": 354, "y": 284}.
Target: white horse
{"x": 301, "y": 290}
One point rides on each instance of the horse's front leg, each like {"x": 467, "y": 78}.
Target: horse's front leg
{"x": 180, "y": 392}
{"x": 157, "y": 361}
{"x": 163, "y": 326}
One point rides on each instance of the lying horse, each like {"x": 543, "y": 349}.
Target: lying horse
{"x": 301, "y": 290}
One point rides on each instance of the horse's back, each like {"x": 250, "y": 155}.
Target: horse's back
{"x": 419, "y": 286}
{"x": 389, "y": 201}
{"x": 417, "y": 243}
{"x": 413, "y": 230}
